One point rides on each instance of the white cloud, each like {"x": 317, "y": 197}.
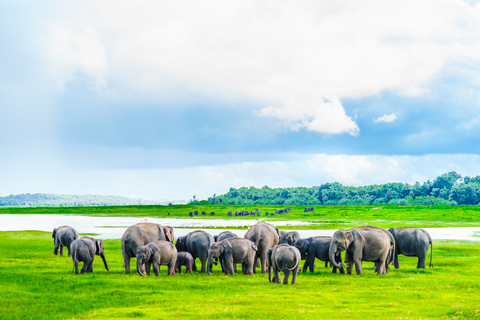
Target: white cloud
{"x": 266, "y": 51}
{"x": 386, "y": 118}
{"x": 313, "y": 114}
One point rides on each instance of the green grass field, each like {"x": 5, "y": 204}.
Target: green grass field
{"x": 328, "y": 217}
{"x": 35, "y": 284}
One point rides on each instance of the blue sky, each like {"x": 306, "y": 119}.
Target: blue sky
{"x": 162, "y": 100}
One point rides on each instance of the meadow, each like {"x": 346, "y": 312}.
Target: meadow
{"x": 35, "y": 284}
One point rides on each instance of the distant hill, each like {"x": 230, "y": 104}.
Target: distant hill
{"x": 62, "y": 200}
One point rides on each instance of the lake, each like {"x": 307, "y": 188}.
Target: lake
{"x": 114, "y": 227}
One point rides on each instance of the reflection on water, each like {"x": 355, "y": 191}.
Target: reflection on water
{"x": 114, "y": 227}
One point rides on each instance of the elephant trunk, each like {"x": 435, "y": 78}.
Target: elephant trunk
{"x": 104, "y": 260}
{"x": 270, "y": 273}
{"x": 140, "y": 267}
{"x": 209, "y": 264}
{"x": 331, "y": 253}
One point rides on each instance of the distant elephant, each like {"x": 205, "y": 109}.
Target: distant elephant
{"x": 63, "y": 237}
{"x": 184, "y": 259}
{"x": 288, "y": 237}
{"x": 231, "y": 251}
{"x": 286, "y": 258}
{"x": 265, "y": 236}
{"x": 317, "y": 247}
{"x": 412, "y": 242}
{"x": 196, "y": 243}
{"x": 363, "y": 244}
{"x": 84, "y": 249}
{"x": 139, "y": 235}
{"x": 157, "y": 253}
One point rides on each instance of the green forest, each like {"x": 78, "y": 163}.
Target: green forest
{"x": 447, "y": 189}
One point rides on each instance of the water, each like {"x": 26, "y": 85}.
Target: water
{"x": 114, "y": 227}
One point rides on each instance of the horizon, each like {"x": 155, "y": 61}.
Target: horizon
{"x": 170, "y": 100}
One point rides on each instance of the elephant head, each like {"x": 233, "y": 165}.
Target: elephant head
{"x": 181, "y": 244}
{"x": 215, "y": 250}
{"x": 100, "y": 251}
{"x": 143, "y": 254}
{"x": 302, "y": 245}
{"x": 340, "y": 242}
{"x": 169, "y": 236}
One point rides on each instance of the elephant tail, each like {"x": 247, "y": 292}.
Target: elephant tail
{"x": 431, "y": 252}
{"x": 297, "y": 262}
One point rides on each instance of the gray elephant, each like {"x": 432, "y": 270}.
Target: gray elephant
{"x": 412, "y": 242}
{"x": 286, "y": 258}
{"x": 265, "y": 236}
{"x": 363, "y": 244}
{"x": 288, "y": 237}
{"x": 139, "y": 235}
{"x": 63, "y": 237}
{"x": 156, "y": 253}
{"x": 221, "y": 236}
{"x": 231, "y": 251}
{"x": 317, "y": 247}
{"x": 196, "y": 243}
{"x": 85, "y": 249}
{"x": 184, "y": 259}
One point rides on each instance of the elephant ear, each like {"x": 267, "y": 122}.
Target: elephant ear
{"x": 225, "y": 247}
{"x": 98, "y": 246}
{"x": 254, "y": 246}
{"x": 168, "y": 237}
{"x": 278, "y": 233}
{"x": 350, "y": 236}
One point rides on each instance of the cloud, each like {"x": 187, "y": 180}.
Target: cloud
{"x": 386, "y": 118}
{"x": 314, "y": 115}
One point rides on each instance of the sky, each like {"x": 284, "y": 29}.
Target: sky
{"x": 164, "y": 100}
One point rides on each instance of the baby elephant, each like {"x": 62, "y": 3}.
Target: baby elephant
{"x": 157, "y": 253}
{"x": 184, "y": 259}
{"x": 63, "y": 237}
{"x": 84, "y": 249}
{"x": 286, "y": 258}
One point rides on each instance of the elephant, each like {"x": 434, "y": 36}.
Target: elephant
{"x": 196, "y": 243}
{"x": 412, "y": 242}
{"x": 363, "y": 244}
{"x": 288, "y": 237}
{"x": 286, "y": 258}
{"x": 63, "y": 237}
{"x": 231, "y": 251}
{"x": 157, "y": 253}
{"x": 265, "y": 236}
{"x": 184, "y": 259}
{"x": 139, "y": 235}
{"x": 84, "y": 249}
{"x": 224, "y": 235}
{"x": 317, "y": 247}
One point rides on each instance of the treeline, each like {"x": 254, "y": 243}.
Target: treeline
{"x": 447, "y": 189}
{"x": 61, "y": 200}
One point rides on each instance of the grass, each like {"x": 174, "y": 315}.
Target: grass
{"x": 35, "y": 284}
{"x": 326, "y": 217}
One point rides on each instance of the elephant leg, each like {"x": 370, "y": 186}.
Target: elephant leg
{"x": 61, "y": 249}
{"x": 90, "y": 267}
{"x": 156, "y": 268}
{"x": 286, "y": 274}
{"x": 395, "y": 260}
{"x": 75, "y": 263}
{"x": 202, "y": 270}
{"x": 148, "y": 265}
{"x": 276, "y": 275}
{"x": 126, "y": 262}
{"x": 348, "y": 262}
{"x": 235, "y": 268}
{"x": 84, "y": 268}
{"x": 171, "y": 269}
{"x": 338, "y": 259}
{"x": 421, "y": 261}
{"x": 326, "y": 264}
{"x": 304, "y": 269}
{"x": 294, "y": 275}
{"x": 263, "y": 260}
{"x": 358, "y": 267}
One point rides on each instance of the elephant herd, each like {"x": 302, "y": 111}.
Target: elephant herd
{"x": 262, "y": 246}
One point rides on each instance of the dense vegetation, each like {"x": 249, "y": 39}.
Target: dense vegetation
{"x": 35, "y": 284}
{"x": 447, "y": 189}
{"x": 61, "y": 200}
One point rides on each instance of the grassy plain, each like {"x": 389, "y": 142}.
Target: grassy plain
{"x": 35, "y": 284}
{"x": 325, "y": 217}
